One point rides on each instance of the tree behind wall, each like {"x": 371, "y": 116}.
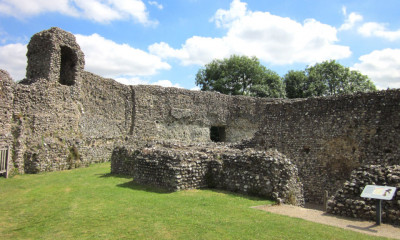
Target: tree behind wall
{"x": 324, "y": 79}
{"x": 240, "y": 75}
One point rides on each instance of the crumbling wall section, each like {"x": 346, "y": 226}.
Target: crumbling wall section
{"x": 54, "y": 55}
{"x": 347, "y": 201}
{"x": 176, "y": 166}
{"x": 46, "y": 127}
{"x": 329, "y": 137}
{"x": 6, "y": 102}
{"x": 183, "y": 115}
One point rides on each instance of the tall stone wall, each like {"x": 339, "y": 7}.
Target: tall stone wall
{"x": 183, "y": 115}
{"x": 6, "y": 100}
{"x": 177, "y": 166}
{"x": 329, "y": 137}
{"x": 106, "y": 116}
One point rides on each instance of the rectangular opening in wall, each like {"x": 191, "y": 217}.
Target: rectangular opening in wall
{"x": 217, "y": 134}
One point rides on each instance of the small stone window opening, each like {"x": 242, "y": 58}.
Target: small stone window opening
{"x": 217, "y": 134}
{"x": 67, "y": 68}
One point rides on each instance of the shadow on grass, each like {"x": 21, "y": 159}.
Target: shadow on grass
{"x": 149, "y": 188}
{"x": 238, "y": 195}
{"x": 109, "y": 175}
{"x": 141, "y": 187}
{"x": 153, "y": 189}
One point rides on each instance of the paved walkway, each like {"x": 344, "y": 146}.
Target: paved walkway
{"x": 319, "y": 216}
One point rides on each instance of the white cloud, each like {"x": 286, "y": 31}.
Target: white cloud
{"x": 370, "y": 29}
{"x": 271, "y": 38}
{"x": 21, "y": 8}
{"x": 131, "y": 80}
{"x": 96, "y": 10}
{"x": 156, "y": 4}
{"x": 224, "y": 18}
{"x": 382, "y": 66}
{"x": 351, "y": 20}
{"x": 13, "y": 60}
{"x": 107, "y": 58}
{"x": 166, "y": 83}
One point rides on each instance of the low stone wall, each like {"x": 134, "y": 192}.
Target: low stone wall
{"x": 177, "y": 167}
{"x": 347, "y": 201}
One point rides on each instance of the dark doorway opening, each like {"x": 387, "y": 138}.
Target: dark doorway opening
{"x": 67, "y": 68}
{"x": 217, "y": 134}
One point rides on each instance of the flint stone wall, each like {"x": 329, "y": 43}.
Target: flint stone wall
{"x": 176, "y": 166}
{"x": 347, "y": 201}
{"x": 62, "y": 117}
{"x": 329, "y": 137}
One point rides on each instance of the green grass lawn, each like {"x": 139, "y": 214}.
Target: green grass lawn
{"x": 88, "y": 203}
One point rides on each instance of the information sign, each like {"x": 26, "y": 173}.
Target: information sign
{"x": 378, "y": 192}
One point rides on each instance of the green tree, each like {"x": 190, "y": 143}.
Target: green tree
{"x": 240, "y": 75}
{"x": 324, "y": 79}
{"x": 296, "y": 84}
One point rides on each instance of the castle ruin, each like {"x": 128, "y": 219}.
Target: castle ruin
{"x": 62, "y": 117}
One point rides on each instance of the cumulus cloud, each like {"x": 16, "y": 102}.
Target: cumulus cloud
{"x": 351, "y": 20}
{"x": 13, "y": 60}
{"x": 96, "y": 10}
{"x": 107, "y": 58}
{"x": 370, "y": 29}
{"x": 382, "y": 66}
{"x": 166, "y": 83}
{"x": 271, "y": 38}
{"x": 224, "y": 18}
{"x": 102, "y": 56}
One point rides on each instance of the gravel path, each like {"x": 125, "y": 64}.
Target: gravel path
{"x": 319, "y": 216}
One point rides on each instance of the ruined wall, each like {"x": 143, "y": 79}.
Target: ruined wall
{"x": 171, "y": 113}
{"x": 53, "y": 54}
{"x": 106, "y": 116}
{"x": 177, "y": 166}
{"x": 329, "y": 137}
{"x": 6, "y": 99}
{"x": 347, "y": 201}
{"x": 62, "y": 117}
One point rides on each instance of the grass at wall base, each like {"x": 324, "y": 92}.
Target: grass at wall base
{"x": 89, "y": 203}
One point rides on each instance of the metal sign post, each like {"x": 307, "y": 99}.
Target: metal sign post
{"x": 379, "y": 193}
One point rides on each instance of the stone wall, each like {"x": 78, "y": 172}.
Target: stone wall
{"x": 347, "y": 201}
{"x": 176, "y": 166}
{"x": 6, "y": 99}
{"x": 329, "y": 137}
{"x": 62, "y": 117}
{"x": 183, "y": 115}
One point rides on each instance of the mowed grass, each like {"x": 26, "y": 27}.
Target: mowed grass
{"x": 89, "y": 203}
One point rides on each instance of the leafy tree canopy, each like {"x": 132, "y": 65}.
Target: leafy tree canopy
{"x": 240, "y": 75}
{"x": 326, "y": 78}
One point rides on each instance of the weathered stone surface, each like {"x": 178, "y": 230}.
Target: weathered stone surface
{"x": 62, "y": 117}
{"x": 54, "y": 54}
{"x": 347, "y": 200}
{"x": 328, "y": 137}
{"x": 177, "y": 166}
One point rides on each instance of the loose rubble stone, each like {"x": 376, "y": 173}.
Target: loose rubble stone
{"x": 351, "y": 204}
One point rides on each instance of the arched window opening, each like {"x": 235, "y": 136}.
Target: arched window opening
{"x": 67, "y": 68}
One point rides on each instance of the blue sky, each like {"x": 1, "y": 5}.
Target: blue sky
{"x": 167, "y": 42}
